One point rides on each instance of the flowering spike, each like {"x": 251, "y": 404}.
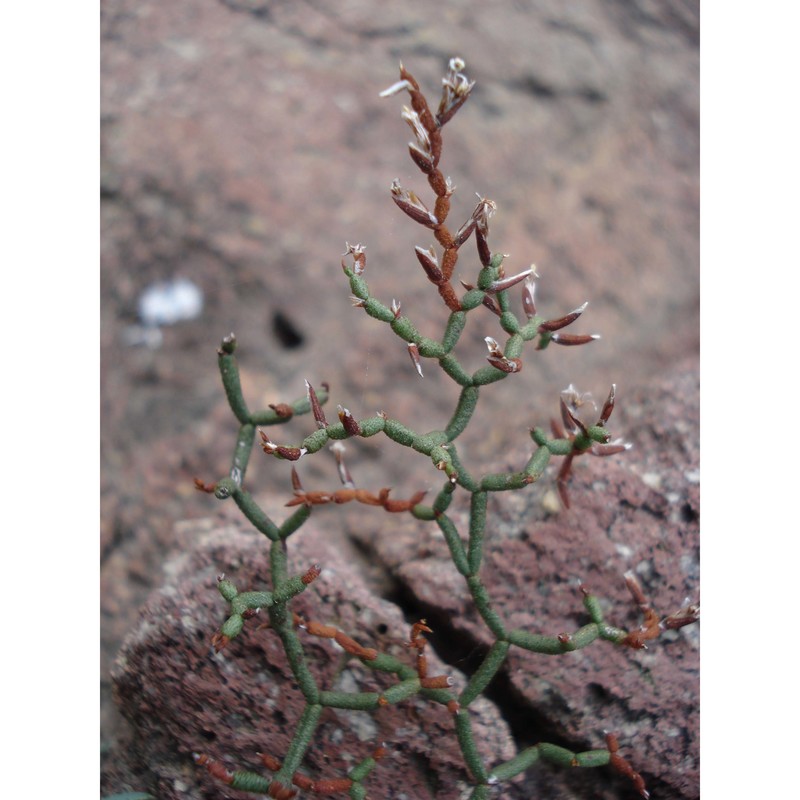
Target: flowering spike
{"x": 456, "y": 90}
{"x": 465, "y": 532}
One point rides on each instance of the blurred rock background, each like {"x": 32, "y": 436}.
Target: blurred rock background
{"x": 244, "y": 143}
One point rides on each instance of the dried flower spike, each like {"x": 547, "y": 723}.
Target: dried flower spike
{"x": 464, "y": 533}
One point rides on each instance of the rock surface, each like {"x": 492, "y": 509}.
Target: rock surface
{"x": 181, "y": 698}
{"x": 244, "y": 142}
{"x": 636, "y": 511}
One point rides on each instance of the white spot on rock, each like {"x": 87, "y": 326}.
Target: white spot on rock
{"x": 168, "y": 302}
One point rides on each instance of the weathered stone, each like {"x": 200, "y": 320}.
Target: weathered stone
{"x": 181, "y": 698}
{"x": 244, "y": 142}
{"x": 636, "y": 511}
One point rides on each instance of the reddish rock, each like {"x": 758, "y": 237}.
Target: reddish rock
{"x": 181, "y": 698}
{"x": 636, "y": 511}
{"x": 244, "y": 142}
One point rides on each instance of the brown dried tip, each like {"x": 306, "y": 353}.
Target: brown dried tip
{"x": 506, "y": 283}
{"x": 437, "y": 682}
{"x": 359, "y": 259}
{"x": 277, "y": 791}
{"x": 529, "y": 296}
{"x": 349, "y": 421}
{"x": 498, "y": 360}
{"x": 650, "y": 628}
{"x": 408, "y": 202}
{"x": 562, "y": 322}
{"x": 331, "y": 785}
{"x": 215, "y": 769}
{"x": 455, "y": 91}
{"x": 272, "y": 449}
{"x": 316, "y": 407}
{"x": 563, "y": 478}
{"x": 413, "y": 352}
{"x": 417, "y": 629}
{"x": 483, "y": 212}
{"x": 283, "y": 410}
{"x": 608, "y": 406}
{"x": 573, "y": 340}
{"x": 623, "y": 767}
{"x": 219, "y": 642}
{"x": 571, "y": 422}
{"x": 430, "y": 263}
{"x": 311, "y": 574}
{"x": 338, "y": 450}
{"x": 270, "y": 762}
{"x": 204, "y": 487}
{"x": 686, "y": 616}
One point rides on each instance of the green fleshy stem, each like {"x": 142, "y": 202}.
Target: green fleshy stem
{"x": 483, "y": 676}
{"x": 480, "y": 597}
{"x": 306, "y": 726}
{"x": 255, "y": 515}
{"x": 241, "y": 453}
{"x": 229, "y": 370}
{"x": 477, "y": 530}
{"x": 250, "y": 782}
{"x": 355, "y": 701}
{"x": 468, "y": 748}
{"x": 467, "y": 403}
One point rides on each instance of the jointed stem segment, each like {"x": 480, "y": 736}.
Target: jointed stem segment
{"x": 571, "y": 437}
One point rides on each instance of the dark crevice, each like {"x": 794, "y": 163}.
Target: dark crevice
{"x": 655, "y": 511}
{"x": 387, "y": 32}
{"x": 532, "y": 84}
{"x": 286, "y": 332}
{"x": 688, "y": 513}
{"x": 527, "y": 724}
{"x": 258, "y": 10}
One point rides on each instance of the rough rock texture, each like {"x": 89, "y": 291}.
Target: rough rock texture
{"x": 244, "y": 142}
{"x": 635, "y": 512}
{"x": 182, "y": 699}
{"x": 638, "y": 511}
